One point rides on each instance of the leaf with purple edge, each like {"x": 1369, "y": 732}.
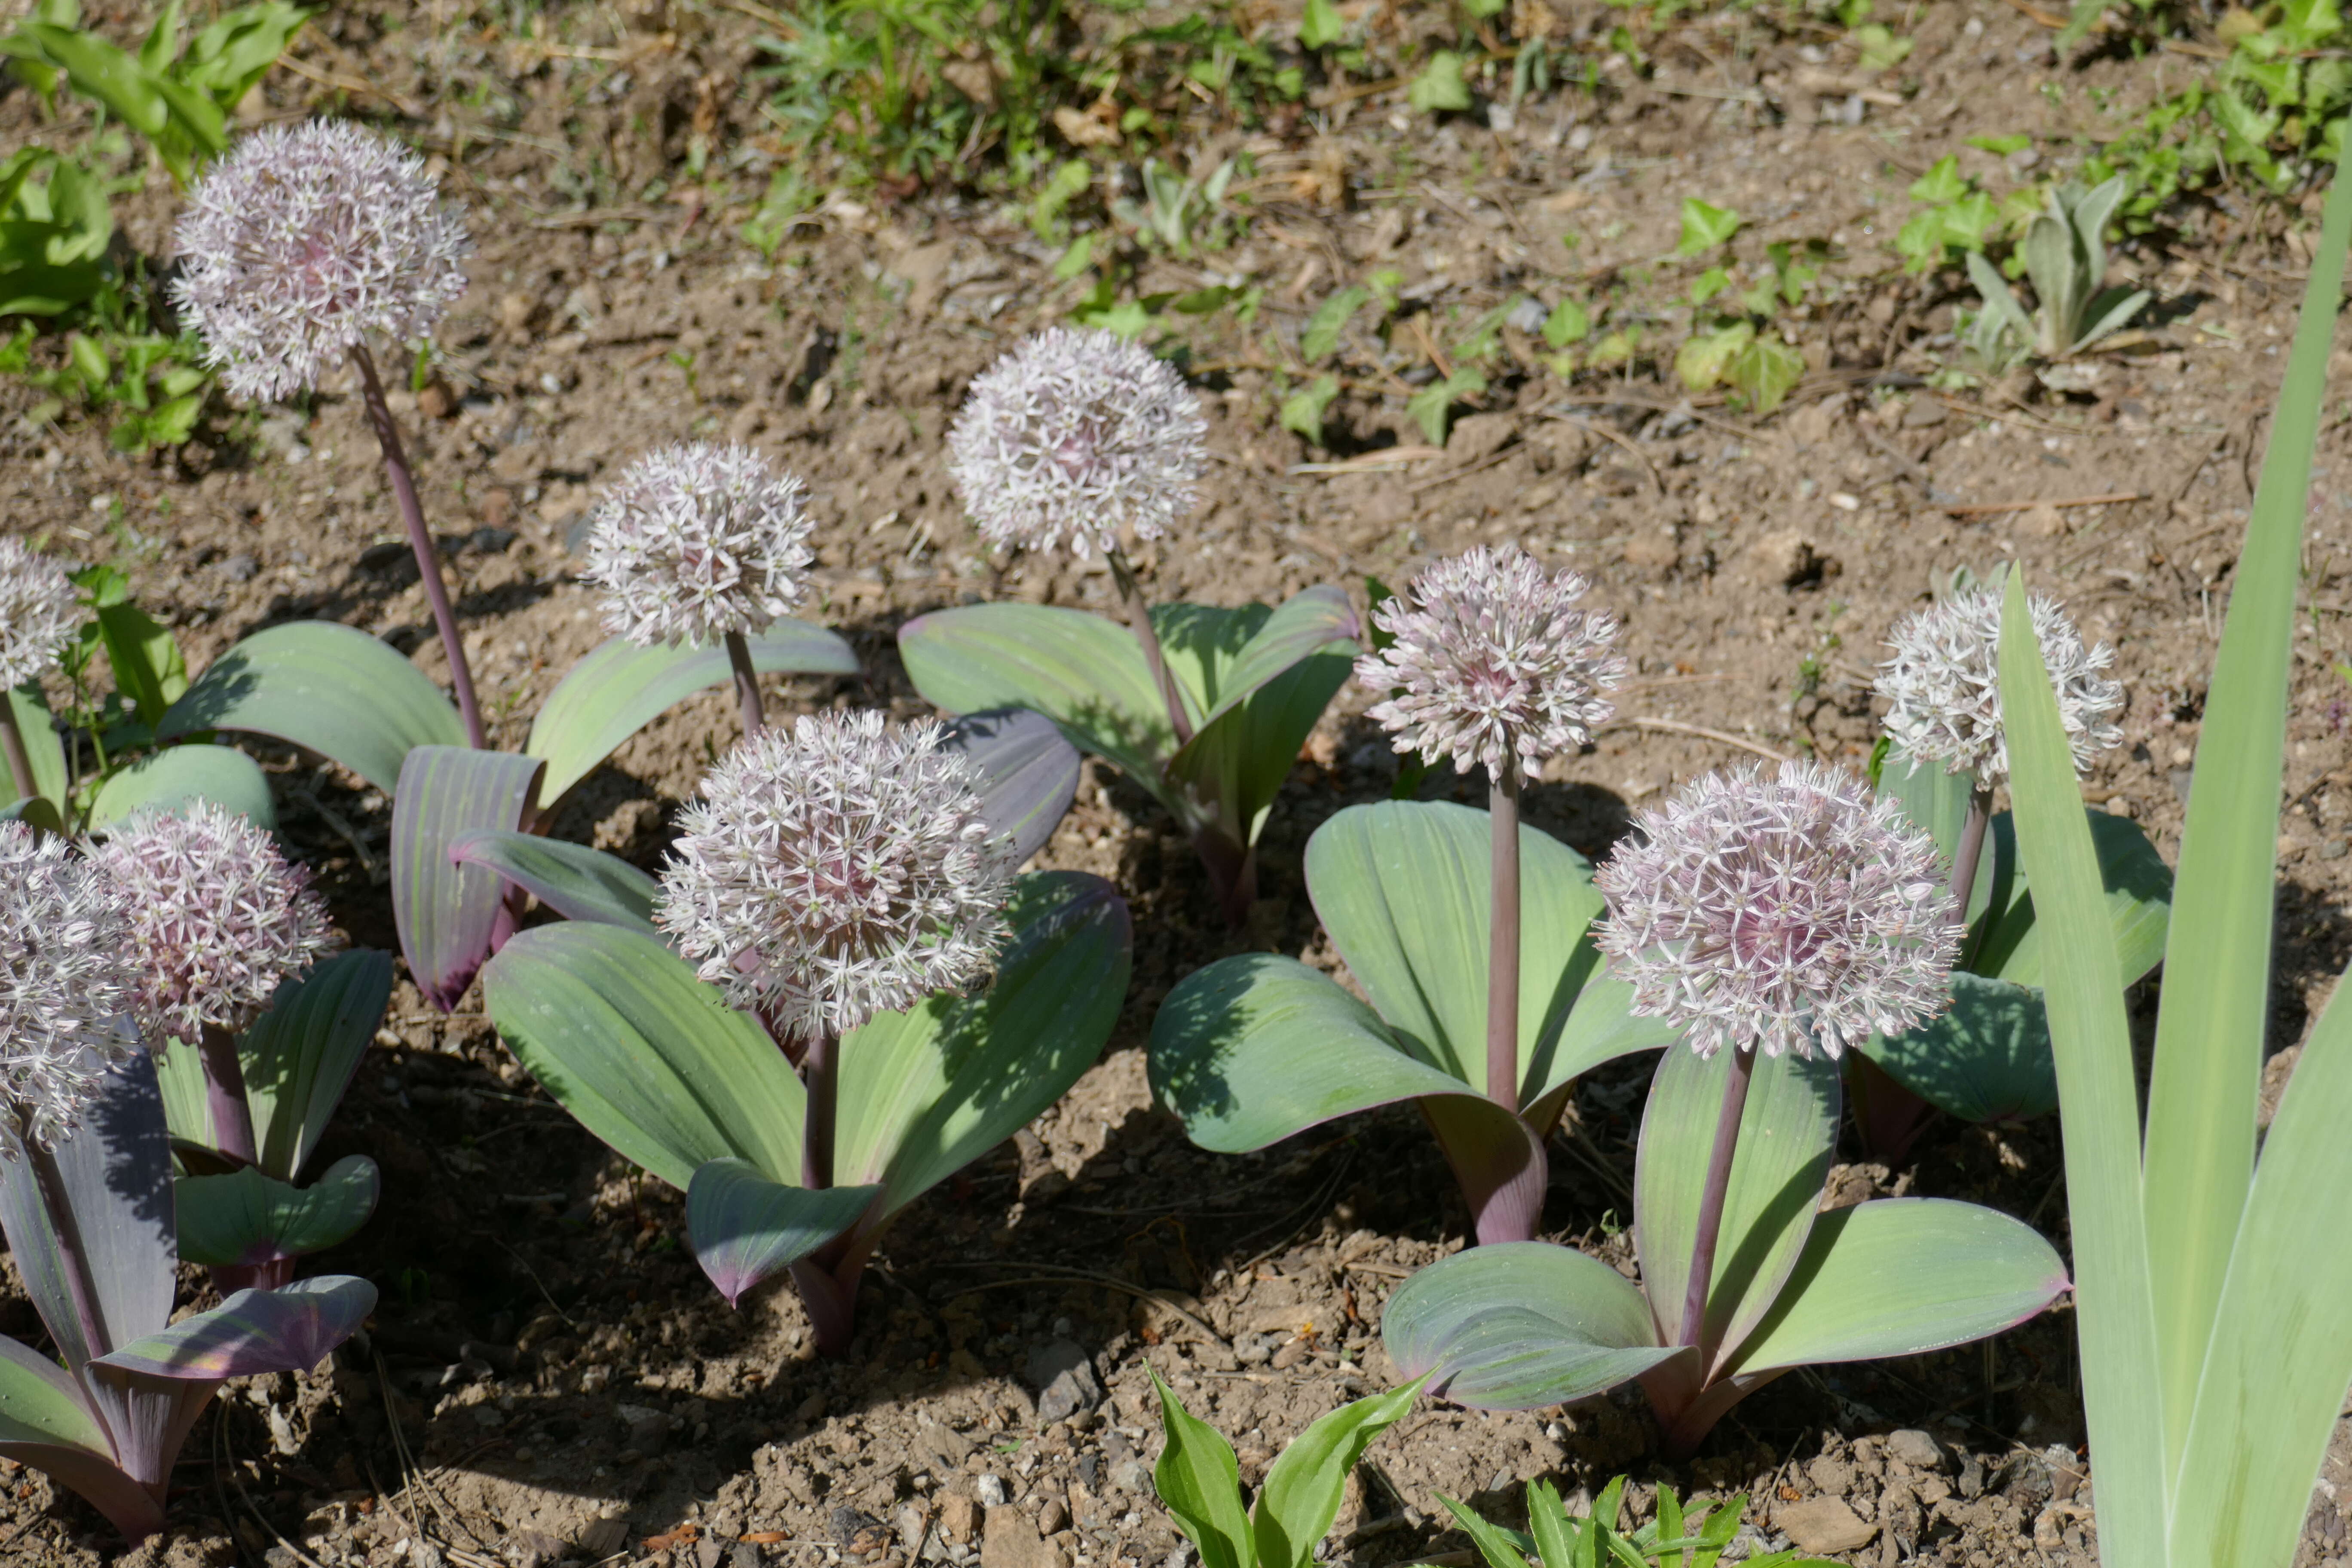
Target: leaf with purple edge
{"x": 574, "y": 881}
{"x": 1028, "y": 773}
{"x": 1520, "y": 1326}
{"x": 291, "y": 1329}
{"x": 446, "y": 910}
{"x": 174, "y": 778}
{"x": 745, "y": 1227}
{"x": 247, "y": 1218}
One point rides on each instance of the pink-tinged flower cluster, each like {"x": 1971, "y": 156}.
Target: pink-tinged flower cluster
{"x": 1945, "y": 684}
{"x": 303, "y": 240}
{"x": 38, "y": 613}
{"x": 836, "y": 871}
{"x": 1492, "y": 660}
{"x": 219, "y": 918}
{"x": 66, "y": 985}
{"x": 1779, "y": 914}
{"x": 1075, "y": 435}
{"x": 694, "y": 542}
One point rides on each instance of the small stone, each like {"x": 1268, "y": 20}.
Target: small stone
{"x": 1653, "y": 552}
{"x": 1289, "y": 1356}
{"x": 2334, "y": 849}
{"x": 1478, "y": 437}
{"x": 1915, "y": 1449}
{"x": 438, "y": 401}
{"x": 238, "y": 568}
{"x": 958, "y": 1516}
{"x": 1923, "y": 413}
{"x": 2043, "y": 521}
{"x": 603, "y": 1537}
{"x": 1064, "y": 1375}
{"x": 1130, "y": 1476}
{"x": 2119, "y": 805}
{"x": 992, "y": 1491}
{"x": 1009, "y": 1540}
{"x": 1823, "y": 1524}
{"x": 1053, "y": 1516}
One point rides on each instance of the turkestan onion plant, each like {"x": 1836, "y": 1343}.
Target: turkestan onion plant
{"x": 1986, "y": 1057}
{"x": 38, "y": 615}
{"x": 1084, "y": 441}
{"x": 1466, "y": 929}
{"x": 257, "y": 1030}
{"x": 867, "y": 999}
{"x": 86, "y": 1203}
{"x": 2215, "y": 1290}
{"x": 1775, "y": 924}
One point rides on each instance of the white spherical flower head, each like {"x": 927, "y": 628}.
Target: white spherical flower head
{"x": 66, "y": 984}
{"x": 303, "y": 240}
{"x": 38, "y": 613}
{"x": 837, "y": 872}
{"x": 219, "y": 918}
{"x": 694, "y": 542}
{"x": 1073, "y": 434}
{"x": 1945, "y": 684}
{"x": 1779, "y": 914}
{"x": 1493, "y": 660}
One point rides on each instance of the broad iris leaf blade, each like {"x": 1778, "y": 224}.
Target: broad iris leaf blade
{"x": 324, "y": 686}
{"x": 169, "y": 779}
{"x": 444, "y": 910}
{"x": 1520, "y": 1325}
{"x": 1028, "y": 773}
{"x": 288, "y": 1330}
{"x": 246, "y": 1218}
{"x": 575, "y": 881}
{"x": 744, "y": 1228}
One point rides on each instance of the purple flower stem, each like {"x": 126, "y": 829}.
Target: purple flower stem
{"x": 420, "y": 539}
{"x": 1711, "y": 1196}
{"x": 225, "y": 1096}
{"x": 64, "y": 1226}
{"x": 1502, "y": 940}
{"x": 1964, "y": 865}
{"x": 747, "y": 685}
{"x": 1139, "y": 614}
{"x": 821, "y": 1072}
{"x": 12, "y": 744}
{"x": 830, "y": 1303}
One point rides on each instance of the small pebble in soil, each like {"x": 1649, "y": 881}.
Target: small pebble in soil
{"x": 992, "y": 1492}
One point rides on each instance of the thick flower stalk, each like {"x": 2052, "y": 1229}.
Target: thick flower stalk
{"x": 219, "y": 919}
{"x": 702, "y": 544}
{"x": 1493, "y": 664}
{"x": 37, "y": 614}
{"x": 67, "y": 984}
{"x": 1077, "y": 437}
{"x": 297, "y": 245}
{"x": 1779, "y": 915}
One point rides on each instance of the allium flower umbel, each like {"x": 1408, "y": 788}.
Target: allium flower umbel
{"x": 1076, "y": 434}
{"x": 1945, "y": 683}
{"x": 304, "y": 239}
{"x": 1779, "y": 913}
{"x": 1492, "y": 659}
{"x": 218, "y": 917}
{"x": 694, "y": 542}
{"x": 37, "y": 613}
{"x": 837, "y": 872}
{"x": 66, "y": 981}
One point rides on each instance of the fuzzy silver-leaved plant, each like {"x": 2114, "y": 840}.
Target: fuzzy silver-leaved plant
{"x": 836, "y": 871}
{"x": 38, "y": 613}
{"x": 219, "y": 918}
{"x": 1074, "y": 436}
{"x": 1493, "y": 660}
{"x": 67, "y": 979}
{"x": 1944, "y": 683}
{"x": 304, "y": 239}
{"x": 694, "y": 542}
{"x": 1779, "y": 914}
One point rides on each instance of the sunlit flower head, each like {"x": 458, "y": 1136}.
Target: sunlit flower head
{"x": 1945, "y": 684}
{"x": 38, "y": 613}
{"x": 1074, "y": 435}
{"x": 219, "y": 918}
{"x": 838, "y": 870}
{"x": 66, "y": 981}
{"x": 1779, "y": 914}
{"x": 304, "y": 239}
{"x": 1493, "y": 660}
{"x": 693, "y": 543}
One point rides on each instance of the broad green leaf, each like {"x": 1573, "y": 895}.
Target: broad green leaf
{"x": 1900, "y": 1277}
{"x": 575, "y": 881}
{"x": 1569, "y": 323}
{"x": 1202, "y": 646}
{"x": 446, "y": 910}
{"x": 180, "y": 1076}
{"x": 1520, "y": 1325}
{"x": 1302, "y": 410}
{"x": 144, "y": 657}
{"x": 744, "y": 1228}
{"x": 1985, "y": 1058}
{"x": 1320, "y": 25}
{"x": 1765, "y": 371}
{"x": 248, "y": 1218}
{"x": 2098, "y": 1103}
{"x": 925, "y": 1092}
{"x": 1027, "y": 773}
{"x": 619, "y": 689}
{"x": 1705, "y": 226}
{"x": 1403, "y": 887}
{"x": 325, "y": 686}
{"x": 1493, "y": 1544}
{"x": 38, "y": 1403}
{"x": 298, "y": 1056}
{"x": 43, "y": 749}
{"x": 1329, "y": 320}
{"x": 169, "y": 779}
{"x": 1440, "y": 86}
{"x": 1300, "y": 1497}
{"x": 228, "y": 57}
{"x": 649, "y": 1059}
{"x": 1432, "y": 407}
{"x": 1787, "y": 1134}
{"x": 1199, "y": 1485}
{"x": 1258, "y": 709}
{"x": 2134, "y": 877}
{"x": 286, "y": 1329}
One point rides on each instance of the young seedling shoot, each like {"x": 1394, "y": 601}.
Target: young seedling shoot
{"x": 219, "y": 919}
{"x": 295, "y": 246}
{"x": 826, "y": 875}
{"x": 702, "y": 544}
{"x": 37, "y": 614}
{"x": 1494, "y": 666}
{"x": 1080, "y": 438}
